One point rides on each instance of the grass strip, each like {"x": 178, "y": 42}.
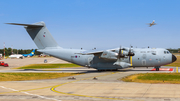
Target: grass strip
{"x": 46, "y": 66}
{"x": 33, "y": 76}
{"x": 173, "y": 78}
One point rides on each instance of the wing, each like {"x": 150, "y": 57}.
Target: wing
{"x": 148, "y": 23}
{"x": 112, "y": 54}
{"x": 94, "y": 52}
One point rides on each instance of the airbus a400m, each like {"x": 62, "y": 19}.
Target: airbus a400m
{"x": 112, "y": 59}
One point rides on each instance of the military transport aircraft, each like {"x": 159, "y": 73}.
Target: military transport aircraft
{"x": 112, "y": 59}
{"x": 153, "y": 23}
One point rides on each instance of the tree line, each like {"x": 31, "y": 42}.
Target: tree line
{"x": 174, "y": 50}
{"x": 8, "y": 51}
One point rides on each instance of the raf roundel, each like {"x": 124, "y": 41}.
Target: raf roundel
{"x": 43, "y": 35}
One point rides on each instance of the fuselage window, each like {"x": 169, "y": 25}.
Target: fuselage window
{"x": 165, "y": 52}
{"x": 168, "y": 52}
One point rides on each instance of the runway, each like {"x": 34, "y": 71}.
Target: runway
{"x": 106, "y": 87}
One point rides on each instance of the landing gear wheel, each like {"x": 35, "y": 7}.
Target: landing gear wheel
{"x": 157, "y": 69}
{"x": 115, "y": 69}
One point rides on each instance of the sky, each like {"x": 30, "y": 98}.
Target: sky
{"x": 86, "y": 24}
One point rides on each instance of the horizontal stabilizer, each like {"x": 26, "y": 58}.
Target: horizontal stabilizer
{"x": 28, "y": 25}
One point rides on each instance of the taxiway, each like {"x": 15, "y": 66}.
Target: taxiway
{"x": 106, "y": 87}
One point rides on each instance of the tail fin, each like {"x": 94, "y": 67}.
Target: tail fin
{"x": 33, "y": 52}
{"x": 39, "y": 34}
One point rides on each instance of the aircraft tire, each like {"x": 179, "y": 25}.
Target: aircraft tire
{"x": 115, "y": 69}
{"x": 157, "y": 69}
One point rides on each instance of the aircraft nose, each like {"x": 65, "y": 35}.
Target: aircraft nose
{"x": 174, "y": 58}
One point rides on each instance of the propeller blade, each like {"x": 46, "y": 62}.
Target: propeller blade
{"x": 119, "y": 54}
{"x": 130, "y": 54}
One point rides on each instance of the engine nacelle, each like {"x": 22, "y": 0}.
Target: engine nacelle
{"x": 109, "y": 55}
{"x": 124, "y": 52}
{"x": 122, "y": 64}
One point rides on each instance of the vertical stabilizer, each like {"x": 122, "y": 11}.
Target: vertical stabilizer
{"x": 40, "y": 35}
{"x": 33, "y": 52}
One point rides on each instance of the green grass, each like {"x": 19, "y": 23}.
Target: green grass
{"x": 157, "y": 76}
{"x": 154, "y": 78}
{"x": 47, "y": 66}
{"x": 32, "y": 76}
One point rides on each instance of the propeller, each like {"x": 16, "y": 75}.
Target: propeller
{"x": 119, "y": 62}
{"x": 120, "y": 55}
{"x": 130, "y": 54}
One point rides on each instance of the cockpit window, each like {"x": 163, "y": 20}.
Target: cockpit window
{"x": 166, "y": 52}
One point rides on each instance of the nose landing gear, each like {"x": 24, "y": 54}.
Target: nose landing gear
{"x": 157, "y": 68}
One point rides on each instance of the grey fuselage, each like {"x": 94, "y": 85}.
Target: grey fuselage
{"x": 144, "y": 57}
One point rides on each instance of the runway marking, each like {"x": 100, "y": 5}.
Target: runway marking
{"x": 53, "y": 61}
{"x": 53, "y": 89}
{"x": 108, "y": 98}
{"x": 45, "y": 87}
{"x": 30, "y": 94}
{"x": 24, "y": 90}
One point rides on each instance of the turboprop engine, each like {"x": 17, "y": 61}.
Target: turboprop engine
{"x": 124, "y": 53}
{"x": 122, "y": 64}
{"x": 109, "y": 55}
